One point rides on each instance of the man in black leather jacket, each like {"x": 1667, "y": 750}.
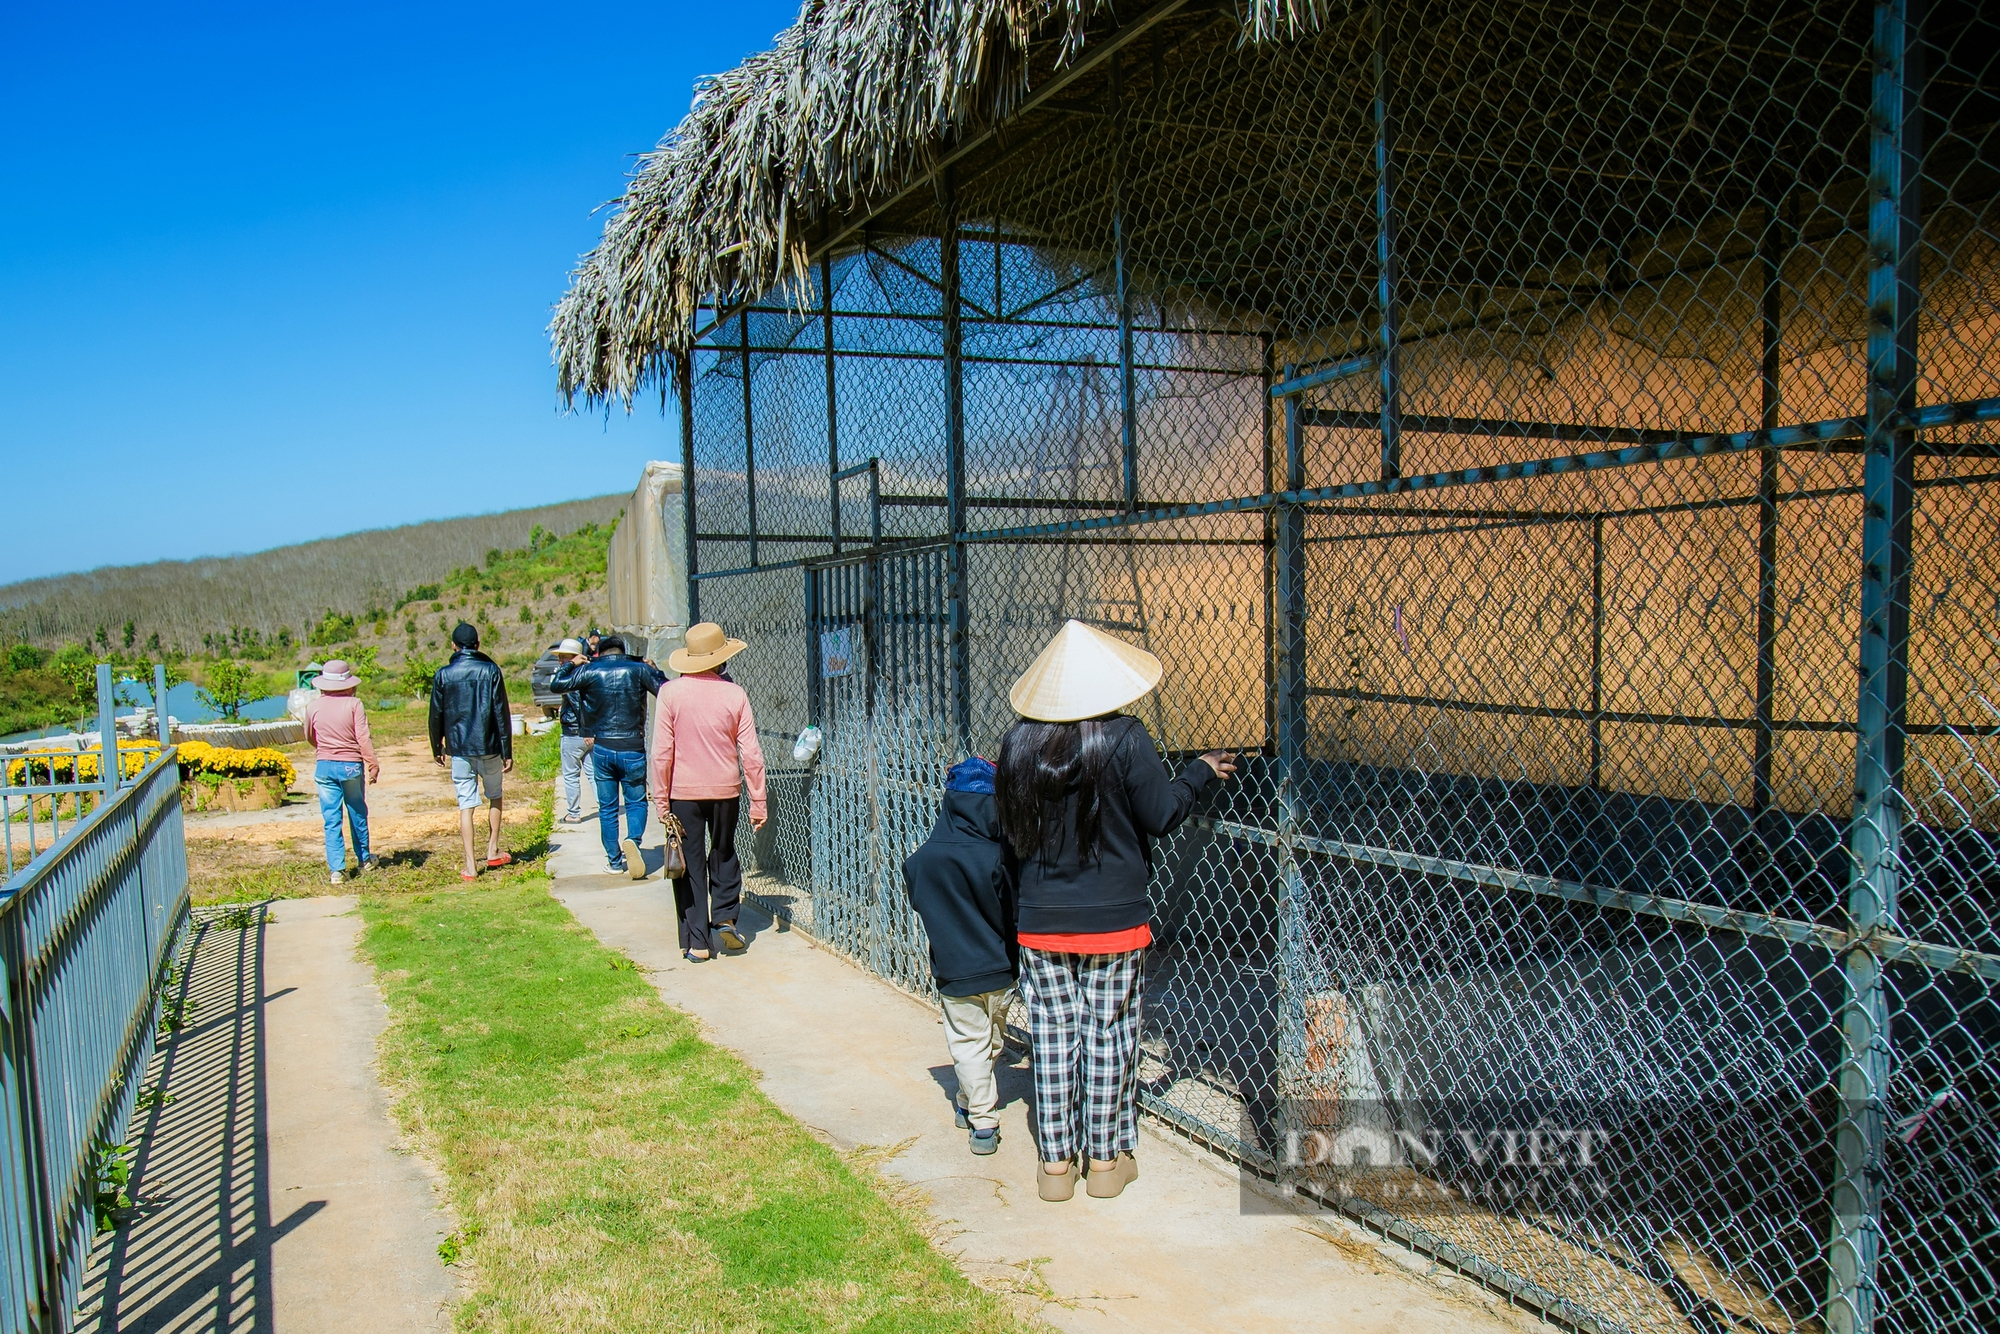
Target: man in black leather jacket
{"x": 471, "y": 724}
{"x": 611, "y": 691}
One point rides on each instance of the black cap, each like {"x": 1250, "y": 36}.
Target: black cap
{"x": 465, "y": 635}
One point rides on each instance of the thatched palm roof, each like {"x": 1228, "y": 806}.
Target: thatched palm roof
{"x": 850, "y": 105}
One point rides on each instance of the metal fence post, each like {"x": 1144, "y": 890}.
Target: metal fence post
{"x": 1266, "y": 479}
{"x": 164, "y": 720}
{"x": 684, "y": 386}
{"x": 815, "y": 678}
{"x": 749, "y": 447}
{"x": 107, "y": 729}
{"x": 38, "y": 1251}
{"x": 1597, "y": 658}
{"x": 1386, "y": 274}
{"x": 1291, "y": 711}
{"x": 1771, "y": 253}
{"x": 954, "y": 486}
{"x": 832, "y": 405}
{"x": 1854, "y": 1297}
{"x": 1121, "y": 263}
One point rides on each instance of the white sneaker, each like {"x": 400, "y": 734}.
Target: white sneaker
{"x": 336, "y": 877}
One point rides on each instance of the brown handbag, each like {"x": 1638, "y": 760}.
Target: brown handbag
{"x": 676, "y": 864}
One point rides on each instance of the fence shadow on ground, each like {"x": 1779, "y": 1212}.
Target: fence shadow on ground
{"x": 195, "y": 1249}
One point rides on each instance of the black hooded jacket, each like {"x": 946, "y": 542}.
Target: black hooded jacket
{"x": 469, "y": 714}
{"x": 961, "y": 882}
{"x": 1138, "y": 803}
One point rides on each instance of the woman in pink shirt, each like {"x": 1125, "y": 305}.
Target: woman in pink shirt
{"x": 343, "y": 763}
{"x": 702, "y": 731}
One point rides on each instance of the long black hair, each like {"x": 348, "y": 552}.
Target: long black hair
{"x": 1040, "y": 763}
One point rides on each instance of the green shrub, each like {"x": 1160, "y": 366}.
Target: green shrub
{"x": 228, "y": 687}
{"x": 417, "y": 674}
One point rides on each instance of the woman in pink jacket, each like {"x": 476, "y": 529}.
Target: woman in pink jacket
{"x": 343, "y": 763}
{"x": 702, "y": 731}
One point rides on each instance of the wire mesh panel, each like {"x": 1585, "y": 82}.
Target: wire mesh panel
{"x": 1556, "y": 447}
{"x": 878, "y": 661}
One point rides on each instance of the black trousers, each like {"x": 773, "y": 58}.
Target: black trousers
{"x": 712, "y": 890}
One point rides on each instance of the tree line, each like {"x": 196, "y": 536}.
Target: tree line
{"x": 262, "y": 605}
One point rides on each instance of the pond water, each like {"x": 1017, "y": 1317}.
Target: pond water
{"x": 182, "y": 703}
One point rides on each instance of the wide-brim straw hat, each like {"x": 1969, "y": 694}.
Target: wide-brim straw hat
{"x": 339, "y": 675}
{"x": 707, "y": 648}
{"x": 1081, "y": 674}
{"x": 570, "y": 648}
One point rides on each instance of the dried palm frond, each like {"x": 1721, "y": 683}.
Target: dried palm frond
{"x": 846, "y": 106}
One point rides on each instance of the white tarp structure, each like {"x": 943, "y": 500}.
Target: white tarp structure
{"x": 647, "y": 565}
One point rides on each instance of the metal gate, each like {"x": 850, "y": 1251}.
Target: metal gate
{"x": 878, "y": 673}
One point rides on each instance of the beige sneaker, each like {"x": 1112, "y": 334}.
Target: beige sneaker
{"x": 1106, "y": 1182}
{"x": 1056, "y": 1186}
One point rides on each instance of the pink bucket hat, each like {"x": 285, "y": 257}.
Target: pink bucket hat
{"x": 338, "y": 675}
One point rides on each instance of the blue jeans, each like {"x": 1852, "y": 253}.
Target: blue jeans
{"x": 342, "y": 785}
{"x": 615, "y": 769}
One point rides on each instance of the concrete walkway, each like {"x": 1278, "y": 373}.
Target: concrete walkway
{"x": 864, "y": 1065}
{"x": 271, "y": 1192}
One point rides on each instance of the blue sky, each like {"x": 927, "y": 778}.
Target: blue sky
{"x": 275, "y": 272}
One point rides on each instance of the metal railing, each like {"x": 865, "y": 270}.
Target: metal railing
{"x": 45, "y": 788}
{"x": 88, "y": 927}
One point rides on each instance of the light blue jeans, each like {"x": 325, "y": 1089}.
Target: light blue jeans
{"x": 343, "y": 785}
{"x": 617, "y": 769}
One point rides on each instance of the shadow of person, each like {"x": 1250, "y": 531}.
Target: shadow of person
{"x": 1011, "y": 1077}
{"x": 196, "y": 1250}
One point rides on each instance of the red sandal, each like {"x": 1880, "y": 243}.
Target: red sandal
{"x": 504, "y": 859}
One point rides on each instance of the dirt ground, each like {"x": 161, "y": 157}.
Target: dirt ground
{"x": 412, "y": 815}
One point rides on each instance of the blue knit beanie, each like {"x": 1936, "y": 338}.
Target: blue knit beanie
{"x": 970, "y": 775}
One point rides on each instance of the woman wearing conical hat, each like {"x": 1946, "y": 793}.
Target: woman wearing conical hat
{"x": 1082, "y": 795}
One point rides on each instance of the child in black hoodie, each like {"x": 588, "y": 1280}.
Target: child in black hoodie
{"x": 962, "y": 882}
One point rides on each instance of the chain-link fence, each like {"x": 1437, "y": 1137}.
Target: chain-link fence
{"x": 1554, "y": 442}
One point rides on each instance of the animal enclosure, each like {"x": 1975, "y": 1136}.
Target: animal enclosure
{"x": 1556, "y": 442}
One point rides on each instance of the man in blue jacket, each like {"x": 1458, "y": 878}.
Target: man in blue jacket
{"x": 961, "y": 882}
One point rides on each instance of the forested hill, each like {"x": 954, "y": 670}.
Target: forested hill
{"x": 182, "y": 607}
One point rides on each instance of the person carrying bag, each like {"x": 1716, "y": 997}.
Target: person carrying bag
{"x": 703, "y": 733}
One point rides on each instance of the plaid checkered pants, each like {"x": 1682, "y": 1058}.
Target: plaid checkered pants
{"x": 1083, "y": 1019}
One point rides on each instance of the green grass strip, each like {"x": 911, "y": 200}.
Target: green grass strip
{"x": 613, "y": 1171}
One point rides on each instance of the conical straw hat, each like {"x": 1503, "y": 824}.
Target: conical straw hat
{"x": 1081, "y": 674}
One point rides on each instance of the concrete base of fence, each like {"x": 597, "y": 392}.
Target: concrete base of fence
{"x": 865, "y": 1065}
{"x": 243, "y": 736}
{"x": 235, "y": 736}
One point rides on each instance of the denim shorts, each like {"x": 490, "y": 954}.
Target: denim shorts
{"x": 469, "y": 773}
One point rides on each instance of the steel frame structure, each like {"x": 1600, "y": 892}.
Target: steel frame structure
{"x": 907, "y": 596}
